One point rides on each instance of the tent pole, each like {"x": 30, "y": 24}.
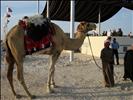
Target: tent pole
{"x": 38, "y": 7}
{"x": 47, "y": 8}
{"x": 99, "y": 20}
{"x": 72, "y": 14}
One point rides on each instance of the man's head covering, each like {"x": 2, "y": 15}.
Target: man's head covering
{"x": 106, "y": 43}
{"x": 109, "y": 38}
{"x": 114, "y": 39}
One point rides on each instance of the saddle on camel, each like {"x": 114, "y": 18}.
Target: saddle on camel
{"x": 37, "y": 35}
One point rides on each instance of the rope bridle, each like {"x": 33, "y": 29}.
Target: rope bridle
{"x": 93, "y": 54}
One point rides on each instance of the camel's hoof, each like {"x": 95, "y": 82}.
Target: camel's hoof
{"x": 54, "y": 86}
{"x": 32, "y": 97}
{"x": 17, "y": 96}
{"x": 50, "y": 91}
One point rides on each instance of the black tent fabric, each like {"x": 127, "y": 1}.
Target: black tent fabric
{"x": 86, "y": 10}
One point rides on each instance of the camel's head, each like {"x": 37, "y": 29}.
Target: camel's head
{"x": 85, "y": 27}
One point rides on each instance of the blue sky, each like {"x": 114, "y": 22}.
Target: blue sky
{"x": 123, "y": 19}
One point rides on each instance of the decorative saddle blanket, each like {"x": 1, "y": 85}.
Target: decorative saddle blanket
{"x": 32, "y": 46}
{"x": 38, "y": 35}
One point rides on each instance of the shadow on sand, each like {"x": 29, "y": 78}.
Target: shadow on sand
{"x": 88, "y": 93}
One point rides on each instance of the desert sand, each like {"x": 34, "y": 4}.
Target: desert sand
{"x": 80, "y": 79}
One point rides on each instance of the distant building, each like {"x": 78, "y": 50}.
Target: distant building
{"x": 97, "y": 44}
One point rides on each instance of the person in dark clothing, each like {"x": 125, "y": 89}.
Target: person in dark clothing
{"x": 128, "y": 64}
{"x": 115, "y": 47}
{"x": 107, "y": 65}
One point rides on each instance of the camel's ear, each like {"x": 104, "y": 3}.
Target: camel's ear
{"x": 92, "y": 26}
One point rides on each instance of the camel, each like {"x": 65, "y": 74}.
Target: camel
{"x": 15, "y": 52}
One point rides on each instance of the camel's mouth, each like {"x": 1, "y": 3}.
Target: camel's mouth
{"x": 85, "y": 27}
{"x": 91, "y": 26}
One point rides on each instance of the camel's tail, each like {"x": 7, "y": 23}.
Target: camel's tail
{"x": 7, "y": 48}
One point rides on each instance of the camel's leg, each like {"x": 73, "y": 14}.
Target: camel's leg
{"x": 52, "y": 83}
{"x": 21, "y": 78}
{"x": 10, "y": 61}
{"x": 18, "y": 57}
{"x": 53, "y": 59}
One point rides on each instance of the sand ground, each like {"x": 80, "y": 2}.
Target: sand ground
{"x": 77, "y": 80}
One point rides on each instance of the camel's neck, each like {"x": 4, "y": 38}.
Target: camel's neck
{"x": 74, "y": 44}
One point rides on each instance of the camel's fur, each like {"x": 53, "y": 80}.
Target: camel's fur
{"x": 15, "y": 51}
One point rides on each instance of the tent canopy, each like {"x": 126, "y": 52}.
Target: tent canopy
{"x": 86, "y": 10}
